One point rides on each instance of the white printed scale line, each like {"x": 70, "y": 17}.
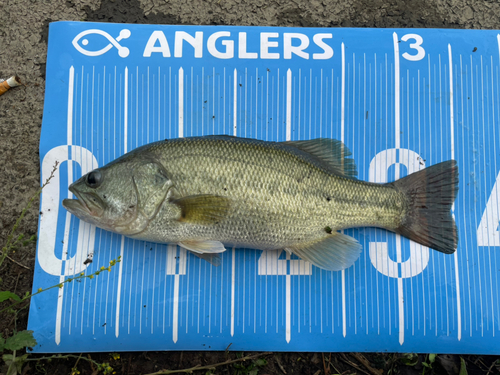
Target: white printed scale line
{"x": 122, "y": 245}
{"x": 288, "y": 301}
{"x": 498, "y": 40}
{"x": 235, "y": 102}
{"x": 233, "y": 260}
{"x": 173, "y": 248}
{"x": 289, "y": 105}
{"x": 60, "y": 296}
{"x": 452, "y": 136}
{"x": 175, "y": 318}
{"x": 497, "y": 187}
{"x": 233, "y": 268}
{"x": 181, "y": 102}
{"x": 342, "y": 127}
{"x": 397, "y": 103}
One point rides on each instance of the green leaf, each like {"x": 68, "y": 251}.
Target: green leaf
{"x": 260, "y": 362}
{"x": 409, "y": 359}
{"x": 20, "y": 340}
{"x": 4, "y": 296}
{"x": 463, "y": 367}
{"x": 432, "y": 358}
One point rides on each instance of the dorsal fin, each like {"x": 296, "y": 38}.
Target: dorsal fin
{"x": 332, "y": 154}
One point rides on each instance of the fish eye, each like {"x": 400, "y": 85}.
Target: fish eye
{"x": 94, "y": 179}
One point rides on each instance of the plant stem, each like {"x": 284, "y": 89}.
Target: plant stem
{"x": 66, "y": 356}
{"x": 209, "y": 367}
{"x": 16, "y": 262}
{"x": 13, "y": 361}
{"x": 68, "y": 280}
{"x": 76, "y": 363}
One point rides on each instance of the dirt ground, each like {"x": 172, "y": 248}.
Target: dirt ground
{"x": 23, "y": 48}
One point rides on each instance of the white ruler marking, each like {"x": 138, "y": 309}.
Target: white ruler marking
{"x": 364, "y": 153}
{"x": 235, "y": 102}
{"x": 175, "y": 319}
{"x": 342, "y": 138}
{"x": 288, "y": 299}
{"x": 495, "y": 164}
{"x": 397, "y": 104}
{"x": 289, "y": 105}
{"x": 486, "y": 194}
{"x": 488, "y": 122}
{"x": 233, "y": 260}
{"x": 288, "y": 307}
{"x": 69, "y": 123}
{"x": 475, "y": 104}
{"x": 233, "y": 269}
{"x": 122, "y": 246}
{"x": 498, "y": 40}
{"x": 452, "y": 136}
{"x": 181, "y": 102}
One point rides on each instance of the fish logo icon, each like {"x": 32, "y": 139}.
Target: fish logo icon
{"x": 122, "y": 51}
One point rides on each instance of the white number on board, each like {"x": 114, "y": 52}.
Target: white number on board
{"x": 488, "y": 232}
{"x": 271, "y": 264}
{"x": 49, "y": 261}
{"x": 379, "y": 252}
{"x": 420, "y": 52}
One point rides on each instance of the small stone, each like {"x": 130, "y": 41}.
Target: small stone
{"x": 468, "y": 13}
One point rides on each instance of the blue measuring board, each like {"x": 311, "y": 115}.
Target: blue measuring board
{"x": 400, "y": 99}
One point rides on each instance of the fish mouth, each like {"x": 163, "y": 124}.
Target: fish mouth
{"x": 86, "y": 206}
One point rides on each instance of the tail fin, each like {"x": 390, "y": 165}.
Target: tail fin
{"x": 430, "y": 194}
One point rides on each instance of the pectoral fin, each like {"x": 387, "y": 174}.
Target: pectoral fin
{"x": 202, "y": 247}
{"x": 334, "y": 253}
{"x": 202, "y": 209}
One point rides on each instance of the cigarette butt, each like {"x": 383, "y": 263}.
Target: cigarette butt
{"x": 5, "y": 85}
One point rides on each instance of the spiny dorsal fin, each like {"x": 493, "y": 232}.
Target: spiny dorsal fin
{"x": 333, "y": 253}
{"x": 202, "y": 209}
{"x": 332, "y": 154}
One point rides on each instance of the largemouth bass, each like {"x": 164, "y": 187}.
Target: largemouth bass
{"x": 204, "y": 192}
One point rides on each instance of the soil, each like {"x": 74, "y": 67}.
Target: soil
{"x": 23, "y": 48}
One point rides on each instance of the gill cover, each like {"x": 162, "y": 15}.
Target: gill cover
{"x": 152, "y": 186}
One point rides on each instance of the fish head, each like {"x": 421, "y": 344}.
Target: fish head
{"x": 122, "y": 197}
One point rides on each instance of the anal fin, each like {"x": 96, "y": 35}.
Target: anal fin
{"x": 333, "y": 253}
{"x": 214, "y": 259}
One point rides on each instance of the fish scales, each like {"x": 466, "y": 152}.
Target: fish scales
{"x": 274, "y": 192}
